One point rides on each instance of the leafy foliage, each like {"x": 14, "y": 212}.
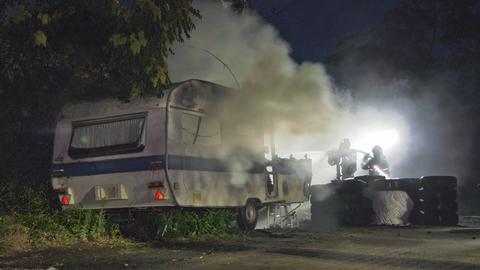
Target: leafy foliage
{"x": 239, "y": 6}
{"x": 36, "y": 223}
{"x": 56, "y": 51}
{"x": 112, "y": 43}
{"x": 67, "y": 225}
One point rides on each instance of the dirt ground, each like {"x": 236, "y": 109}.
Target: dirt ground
{"x": 342, "y": 248}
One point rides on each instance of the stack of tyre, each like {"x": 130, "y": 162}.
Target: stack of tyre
{"x": 341, "y": 203}
{"x": 323, "y": 205}
{"x": 435, "y": 201}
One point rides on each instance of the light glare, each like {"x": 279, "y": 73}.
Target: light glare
{"x": 387, "y": 139}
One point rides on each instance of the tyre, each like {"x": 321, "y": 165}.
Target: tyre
{"x": 316, "y": 212}
{"x": 353, "y": 208}
{"x": 358, "y": 217}
{"x": 408, "y": 184}
{"x": 432, "y": 220}
{"x": 415, "y": 217}
{"x": 247, "y": 216}
{"x": 448, "y": 208}
{"x": 351, "y": 186}
{"x": 357, "y": 211}
{"x": 425, "y": 215}
{"x": 320, "y": 193}
{"x": 380, "y": 185}
{"x": 449, "y": 195}
{"x": 415, "y": 197}
{"x": 324, "y": 216}
{"x": 348, "y": 198}
{"x": 449, "y": 220}
{"x": 439, "y": 182}
{"x": 327, "y": 211}
{"x": 369, "y": 178}
{"x": 424, "y": 218}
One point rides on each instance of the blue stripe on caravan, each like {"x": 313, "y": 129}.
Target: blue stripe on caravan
{"x": 144, "y": 163}
{"x": 187, "y": 163}
{"x": 196, "y": 164}
{"x": 106, "y": 166}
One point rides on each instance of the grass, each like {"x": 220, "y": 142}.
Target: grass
{"x": 31, "y": 223}
{"x": 23, "y": 231}
{"x": 168, "y": 224}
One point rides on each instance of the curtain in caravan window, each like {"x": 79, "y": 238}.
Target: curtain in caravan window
{"x": 114, "y": 135}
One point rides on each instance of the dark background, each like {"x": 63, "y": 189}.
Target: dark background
{"x": 314, "y": 28}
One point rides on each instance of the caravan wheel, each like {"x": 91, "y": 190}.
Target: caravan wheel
{"x": 247, "y": 216}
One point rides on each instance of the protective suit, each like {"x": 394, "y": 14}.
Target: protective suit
{"x": 376, "y": 165}
{"x": 345, "y": 159}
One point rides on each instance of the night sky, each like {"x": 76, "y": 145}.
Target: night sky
{"x": 313, "y": 28}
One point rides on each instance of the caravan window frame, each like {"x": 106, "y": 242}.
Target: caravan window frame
{"x": 201, "y": 117}
{"x": 136, "y": 146}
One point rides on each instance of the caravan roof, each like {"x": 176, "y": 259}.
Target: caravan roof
{"x": 115, "y": 105}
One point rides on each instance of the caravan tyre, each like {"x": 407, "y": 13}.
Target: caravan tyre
{"x": 247, "y": 216}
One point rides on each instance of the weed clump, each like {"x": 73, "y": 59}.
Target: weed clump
{"x": 31, "y": 221}
{"x": 74, "y": 224}
{"x": 175, "y": 223}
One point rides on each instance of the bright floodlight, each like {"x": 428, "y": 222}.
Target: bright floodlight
{"x": 385, "y": 138}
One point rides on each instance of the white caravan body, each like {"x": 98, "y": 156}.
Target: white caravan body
{"x": 168, "y": 151}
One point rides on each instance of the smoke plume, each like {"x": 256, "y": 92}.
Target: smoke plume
{"x": 309, "y": 114}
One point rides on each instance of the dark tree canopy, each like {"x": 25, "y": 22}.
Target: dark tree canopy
{"x": 92, "y": 45}
{"x": 57, "y": 50}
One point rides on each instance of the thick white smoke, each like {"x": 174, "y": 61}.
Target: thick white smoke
{"x": 310, "y": 116}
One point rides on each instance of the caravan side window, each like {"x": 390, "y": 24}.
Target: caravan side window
{"x": 200, "y": 130}
{"x": 109, "y": 136}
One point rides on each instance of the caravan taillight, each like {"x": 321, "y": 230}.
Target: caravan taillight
{"x": 159, "y": 196}
{"x": 65, "y": 200}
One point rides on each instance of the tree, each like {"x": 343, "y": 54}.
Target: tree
{"x": 238, "y": 6}
{"x": 58, "y": 50}
{"x": 116, "y": 43}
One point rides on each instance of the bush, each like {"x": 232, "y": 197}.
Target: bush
{"x": 21, "y": 199}
{"x": 27, "y": 215}
{"x": 27, "y": 219}
{"x": 68, "y": 225}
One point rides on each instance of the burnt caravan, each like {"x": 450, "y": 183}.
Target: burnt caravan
{"x": 178, "y": 150}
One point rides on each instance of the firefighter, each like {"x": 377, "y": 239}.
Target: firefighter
{"x": 376, "y": 165}
{"x": 345, "y": 159}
